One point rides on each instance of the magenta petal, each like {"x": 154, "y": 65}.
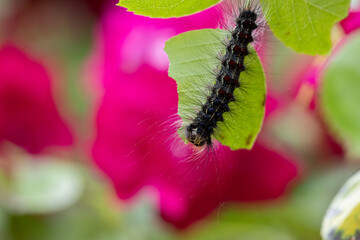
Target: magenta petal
{"x": 29, "y": 117}
{"x": 351, "y": 23}
{"x": 135, "y": 147}
{"x": 136, "y": 142}
{"x": 259, "y": 174}
{"x": 131, "y": 113}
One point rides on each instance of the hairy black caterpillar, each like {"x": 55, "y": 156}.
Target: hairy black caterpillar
{"x": 199, "y": 131}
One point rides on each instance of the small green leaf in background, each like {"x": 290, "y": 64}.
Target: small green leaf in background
{"x": 192, "y": 56}
{"x": 299, "y": 214}
{"x": 3, "y": 223}
{"x": 340, "y": 94}
{"x": 240, "y": 231}
{"x": 166, "y": 8}
{"x": 305, "y": 25}
{"x": 43, "y": 186}
{"x": 342, "y": 220}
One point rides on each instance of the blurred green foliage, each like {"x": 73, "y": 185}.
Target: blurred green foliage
{"x": 98, "y": 215}
{"x": 340, "y": 94}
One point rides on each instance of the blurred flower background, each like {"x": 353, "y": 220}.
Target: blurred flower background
{"x": 86, "y": 108}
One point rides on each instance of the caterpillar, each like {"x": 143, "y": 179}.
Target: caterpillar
{"x": 199, "y": 132}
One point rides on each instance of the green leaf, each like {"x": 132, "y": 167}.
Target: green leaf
{"x": 166, "y": 8}
{"x": 3, "y": 223}
{"x": 43, "y": 187}
{"x": 305, "y": 25}
{"x": 192, "y": 56}
{"x": 342, "y": 221}
{"x": 340, "y": 96}
{"x": 240, "y": 231}
{"x": 301, "y": 212}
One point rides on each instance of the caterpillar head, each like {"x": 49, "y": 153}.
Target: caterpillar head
{"x": 196, "y": 136}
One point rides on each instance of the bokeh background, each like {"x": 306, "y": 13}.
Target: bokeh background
{"x": 86, "y": 150}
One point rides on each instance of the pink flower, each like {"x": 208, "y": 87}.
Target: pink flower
{"x": 28, "y": 115}
{"x": 352, "y": 22}
{"x": 136, "y": 145}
